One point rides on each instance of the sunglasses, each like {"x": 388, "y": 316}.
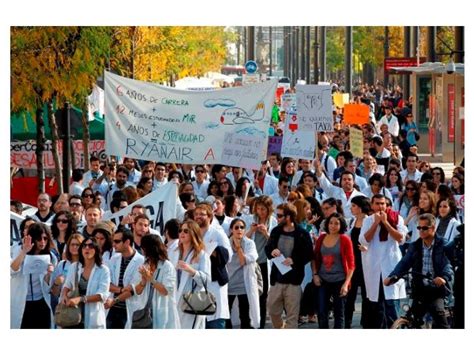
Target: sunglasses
{"x": 239, "y": 227}
{"x": 42, "y": 238}
{"x": 88, "y": 246}
{"x": 410, "y": 189}
{"x": 280, "y": 215}
{"x": 117, "y": 241}
{"x": 65, "y": 221}
{"x": 223, "y": 183}
{"x": 192, "y": 201}
{"x": 88, "y": 195}
{"x": 184, "y": 230}
{"x": 424, "y": 228}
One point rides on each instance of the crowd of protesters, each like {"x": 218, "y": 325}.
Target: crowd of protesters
{"x": 294, "y": 240}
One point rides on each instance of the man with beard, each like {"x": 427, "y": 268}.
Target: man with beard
{"x": 141, "y": 227}
{"x": 44, "y": 213}
{"x": 218, "y": 246}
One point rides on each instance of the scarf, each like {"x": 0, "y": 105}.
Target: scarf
{"x": 392, "y": 218}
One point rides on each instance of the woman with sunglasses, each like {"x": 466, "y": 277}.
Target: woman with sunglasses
{"x": 225, "y": 187}
{"x": 408, "y": 199}
{"x": 157, "y": 275}
{"x": 93, "y": 284}
{"x": 62, "y": 227}
{"x": 193, "y": 268}
{"x": 71, "y": 255}
{"x": 88, "y": 197}
{"x": 30, "y": 300}
{"x": 242, "y": 277}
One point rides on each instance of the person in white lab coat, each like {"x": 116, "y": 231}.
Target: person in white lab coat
{"x": 123, "y": 267}
{"x": 157, "y": 285}
{"x": 242, "y": 277}
{"x": 344, "y": 193}
{"x": 218, "y": 246}
{"x": 382, "y": 233}
{"x": 194, "y": 267}
{"x": 94, "y": 282}
{"x": 30, "y": 300}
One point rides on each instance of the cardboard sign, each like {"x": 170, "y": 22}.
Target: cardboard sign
{"x": 356, "y": 139}
{"x": 356, "y": 114}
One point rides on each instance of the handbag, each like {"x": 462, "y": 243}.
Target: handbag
{"x": 199, "y": 303}
{"x": 65, "y": 316}
{"x": 142, "y": 318}
{"x": 258, "y": 272}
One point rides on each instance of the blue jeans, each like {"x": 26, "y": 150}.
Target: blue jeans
{"x": 216, "y": 324}
{"x": 325, "y": 291}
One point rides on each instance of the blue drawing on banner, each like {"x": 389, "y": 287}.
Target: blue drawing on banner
{"x": 211, "y": 125}
{"x": 251, "y": 131}
{"x": 237, "y": 115}
{"x": 314, "y": 100}
{"x": 211, "y": 103}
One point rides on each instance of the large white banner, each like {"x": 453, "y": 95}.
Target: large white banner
{"x": 152, "y": 122}
{"x": 160, "y": 207}
{"x": 314, "y": 105}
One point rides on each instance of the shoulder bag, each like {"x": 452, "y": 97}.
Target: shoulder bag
{"x": 65, "y": 316}
{"x": 198, "y": 302}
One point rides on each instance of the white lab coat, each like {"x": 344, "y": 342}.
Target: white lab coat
{"x": 19, "y": 290}
{"x": 173, "y": 251}
{"x": 379, "y": 261}
{"x": 392, "y": 123}
{"x": 214, "y": 234}
{"x": 270, "y": 185}
{"x": 128, "y": 276}
{"x": 250, "y": 281}
{"x": 203, "y": 274}
{"x": 329, "y": 162}
{"x": 164, "y": 308}
{"x": 451, "y": 231}
{"x": 200, "y": 190}
{"x": 339, "y": 194}
{"x": 417, "y": 175}
{"x": 99, "y": 282}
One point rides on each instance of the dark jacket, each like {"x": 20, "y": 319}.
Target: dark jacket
{"x": 301, "y": 255}
{"x": 218, "y": 265}
{"x": 413, "y": 259}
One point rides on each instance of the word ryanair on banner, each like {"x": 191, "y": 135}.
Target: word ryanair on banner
{"x": 152, "y": 122}
{"x": 160, "y": 206}
{"x": 242, "y": 151}
{"x": 314, "y": 105}
{"x": 23, "y": 154}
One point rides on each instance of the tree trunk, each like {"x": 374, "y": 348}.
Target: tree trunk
{"x": 54, "y": 148}
{"x": 40, "y": 140}
{"x": 85, "y": 134}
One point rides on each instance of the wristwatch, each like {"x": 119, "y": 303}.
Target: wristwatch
{"x": 84, "y": 299}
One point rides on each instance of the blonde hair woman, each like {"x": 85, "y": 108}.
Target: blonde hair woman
{"x": 194, "y": 267}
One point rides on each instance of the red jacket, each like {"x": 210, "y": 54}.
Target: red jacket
{"x": 347, "y": 253}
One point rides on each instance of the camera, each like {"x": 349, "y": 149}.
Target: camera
{"x": 450, "y": 67}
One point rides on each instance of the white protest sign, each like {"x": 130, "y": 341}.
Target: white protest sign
{"x": 242, "y": 151}
{"x": 314, "y": 105}
{"x": 152, "y": 122}
{"x": 15, "y": 221}
{"x": 288, "y": 100}
{"x": 297, "y": 143}
{"x": 160, "y": 205}
{"x": 250, "y": 79}
{"x": 36, "y": 264}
